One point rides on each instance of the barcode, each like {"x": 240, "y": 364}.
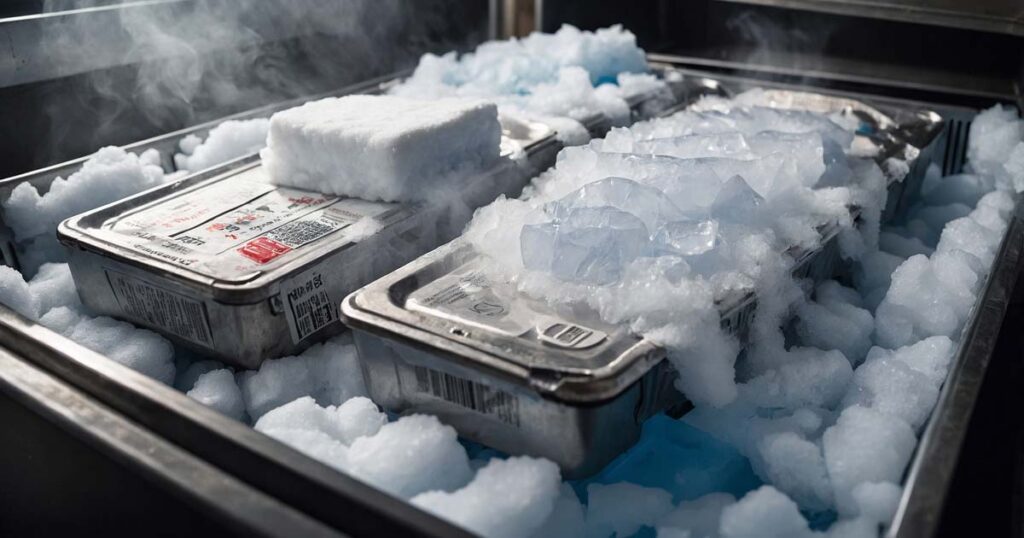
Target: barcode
{"x": 174, "y": 313}
{"x": 476, "y": 396}
{"x": 310, "y": 307}
{"x": 312, "y": 313}
{"x": 298, "y": 233}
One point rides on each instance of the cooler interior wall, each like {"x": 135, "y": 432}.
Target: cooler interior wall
{"x": 57, "y": 104}
{"x": 957, "y": 65}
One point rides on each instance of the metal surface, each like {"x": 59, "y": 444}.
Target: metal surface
{"x": 168, "y": 144}
{"x": 318, "y": 491}
{"x": 930, "y": 474}
{"x": 218, "y": 292}
{"x": 176, "y": 259}
{"x": 513, "y": 373}
{"x": 236, "y": 507}
{"x": 1001, "y": 16}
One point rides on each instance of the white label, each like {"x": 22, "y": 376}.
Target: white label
{"x": 238, "y": 227}
{"x": 161, "y": 308}
{"x": 308, "y": 308}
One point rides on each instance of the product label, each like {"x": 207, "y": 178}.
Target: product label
{"x": 161, "y": 308}
{"x": 308, "y": 307}
{"x": 231, "y": 228}
{"x": 471, "y": 395}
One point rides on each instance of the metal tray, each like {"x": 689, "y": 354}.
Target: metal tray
{"x": 497, "y": 365}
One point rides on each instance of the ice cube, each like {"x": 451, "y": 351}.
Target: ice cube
{"x": 732, "y": 145}
{"x": 687, "y": 237}
{"x": 592, "y": 244}
{"x": 646, "y": 203}
{"x": 737, "y": 202}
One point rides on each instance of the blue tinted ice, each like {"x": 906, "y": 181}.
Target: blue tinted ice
{"x": 737, "y": 202}
{"x": 591, "y": 244}
{"x": 687, "y": 237}
{"x": 647, "y": 203}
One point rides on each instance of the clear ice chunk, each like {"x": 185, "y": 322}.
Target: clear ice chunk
{"x": 592, "y": 244}
{"x": 687, "y": 237}
{"x": 647, "y": 203}
{"x": 737, "y": 202}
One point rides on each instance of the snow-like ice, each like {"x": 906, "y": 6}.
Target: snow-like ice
{"x": 865, "y": 446}
{"x": 567, "y": 518}
{"x": 764, "y": 513}
{"x": 560, "y": 78}
{"x": 355, "y": 418}
{"x": 827, "y": 420}
{"x": 53, "y": 286}
{"x": 829, "y": 424}
{"x": 139, "y": 349}
{"x": 506, "y": 499}
{"x": 622, "y": 509}
{"x": 323, "y": 433}
{"x": 50, "y": 299}
{"x": 329, "y": 372}
{"x": 190, "y": 371}
{"x": 698, "y": 518}
{"x": 412, "y": 455}
{"x": 836, "y": 320}
{"x": 109, "y": 175}
{"x": 218, "y": 390}
{"x": 993, "y": 136}
{"x": 382, "y": 147}
{"x": 226, "y": 141}
{"x": 16, "y": 293}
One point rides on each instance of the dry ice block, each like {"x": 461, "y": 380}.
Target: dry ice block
{"x": 382, "y": 147}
